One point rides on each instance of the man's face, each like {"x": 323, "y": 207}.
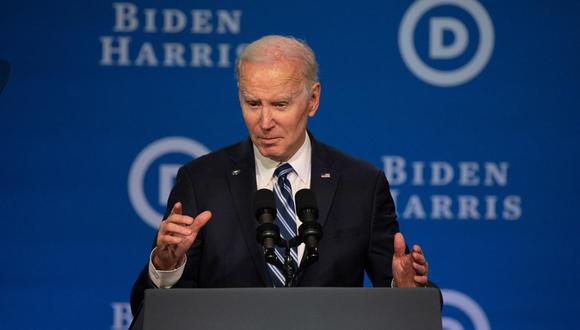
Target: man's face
{"x": 276, "y": 106}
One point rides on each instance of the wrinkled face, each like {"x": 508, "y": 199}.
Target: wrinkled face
{"x": 276, "y": 106}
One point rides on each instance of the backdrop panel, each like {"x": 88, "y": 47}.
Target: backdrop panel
{"x": 470, "y": 107}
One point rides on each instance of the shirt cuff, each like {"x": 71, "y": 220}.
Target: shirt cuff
{"x": 165, "y": 279}
{"x": 393, "y": 283}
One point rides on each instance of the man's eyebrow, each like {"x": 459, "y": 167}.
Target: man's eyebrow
{"x": 247, "y": 96}
{"x": 281, "y": 101}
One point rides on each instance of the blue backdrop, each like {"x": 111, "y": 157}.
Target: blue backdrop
{"x": 472, "y": 109}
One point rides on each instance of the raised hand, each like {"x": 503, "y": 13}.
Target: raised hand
{"x": 176, "y": 234}
{"x": 409, "y": 270}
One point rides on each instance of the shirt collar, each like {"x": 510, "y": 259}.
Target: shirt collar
{"x": 300, "y": 162}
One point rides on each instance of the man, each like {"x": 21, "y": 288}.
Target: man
{"x": 208, "y": 237}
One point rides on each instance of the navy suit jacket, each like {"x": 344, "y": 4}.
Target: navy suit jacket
{"x": 356, "y": 212}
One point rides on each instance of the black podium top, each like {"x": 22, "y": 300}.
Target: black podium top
{"x": 291, "y": 308}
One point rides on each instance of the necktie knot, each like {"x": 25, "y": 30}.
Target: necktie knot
{"x": 283, "y": 170}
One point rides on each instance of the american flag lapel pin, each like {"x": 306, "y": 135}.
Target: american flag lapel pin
{"x": 235, "y": 172}
{"x": 325, "y": 175}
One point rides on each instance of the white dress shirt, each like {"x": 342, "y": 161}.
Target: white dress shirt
{"x": 265, "y": 167}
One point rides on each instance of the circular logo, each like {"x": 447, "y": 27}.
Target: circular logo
{"x": 468, "y": 306}
{"x": 439, "y": 77}
{"x": 141, "y": 164}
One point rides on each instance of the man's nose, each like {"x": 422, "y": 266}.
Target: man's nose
{"x": 266, "y": 119}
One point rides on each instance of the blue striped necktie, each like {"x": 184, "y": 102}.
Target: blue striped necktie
{"x": 285, "y": 219}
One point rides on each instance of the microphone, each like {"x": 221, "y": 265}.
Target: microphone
{"x": 267, "y": 234}
{"x": 310, "y": 230}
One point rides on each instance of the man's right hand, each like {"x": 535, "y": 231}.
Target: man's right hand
{"x": 176, "y": 235}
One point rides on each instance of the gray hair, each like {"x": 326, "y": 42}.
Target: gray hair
{"x": 277, "y": 48}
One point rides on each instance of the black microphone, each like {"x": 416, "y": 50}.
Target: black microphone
{"x": 310, "y": 230}
{"x": 267, "y": 234}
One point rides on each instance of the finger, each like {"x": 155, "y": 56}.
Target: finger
{"x": 420, "y": 269}
{"x": 164, "y": 240}
{"x": 198, "y": 223}
{"x": 183, "y": 220}
{"x": 399, "y": 245}
{"x": 177, "y": 209}
{"x": 417, "y": 249}
{"x": 418, "y": 258}
{"x": 421, "y": 280}
{"x": 201, "y": 220}
{"x": 173, "y": 229}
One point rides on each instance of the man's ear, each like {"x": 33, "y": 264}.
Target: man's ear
{"x": 314, "y": 99}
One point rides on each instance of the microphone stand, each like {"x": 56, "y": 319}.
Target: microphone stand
{"x": 268, "y": 233}
{"x": 287, "y": 266}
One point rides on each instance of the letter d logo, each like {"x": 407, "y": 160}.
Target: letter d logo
{"x": 438, "y": 50}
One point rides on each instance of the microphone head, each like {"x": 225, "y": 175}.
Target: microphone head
{"x": 264, "y": 200}
{"x": 305, "y": 199}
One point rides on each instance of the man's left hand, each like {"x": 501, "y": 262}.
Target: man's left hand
{"x": 409, "y": 270}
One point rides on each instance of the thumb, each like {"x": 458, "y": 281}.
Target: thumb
{"x": 201, "y": 220}
{"x": 399, "y": 245}
{"x": 177, "y": 208}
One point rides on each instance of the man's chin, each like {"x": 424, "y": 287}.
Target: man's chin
{"x": 271, "y": 152}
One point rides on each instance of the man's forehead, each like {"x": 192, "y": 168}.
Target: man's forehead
{"x": 274, "y": 70}
{"x": 276, "y": 80}
{"x": 271, "y": 93}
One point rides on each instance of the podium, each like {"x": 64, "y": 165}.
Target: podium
{"x": 290, "y": 308}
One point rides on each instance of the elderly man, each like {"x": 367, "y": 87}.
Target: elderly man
{"x": 208, "y": 237}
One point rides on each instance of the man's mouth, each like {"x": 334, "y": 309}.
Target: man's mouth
{"x": 269, "y": 140}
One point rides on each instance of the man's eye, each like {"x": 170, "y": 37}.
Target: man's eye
{"x": 280, "y": 105}
{"x": 253, "y": 104}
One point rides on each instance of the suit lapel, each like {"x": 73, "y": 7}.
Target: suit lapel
{"x": 241, "y": 178}
{"x": 323, "y": 180}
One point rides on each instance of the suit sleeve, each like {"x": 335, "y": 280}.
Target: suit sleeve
{"x": 384, "y": 226}
{"x": 183, "y": 192}
{"x": 383, "y": 229}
